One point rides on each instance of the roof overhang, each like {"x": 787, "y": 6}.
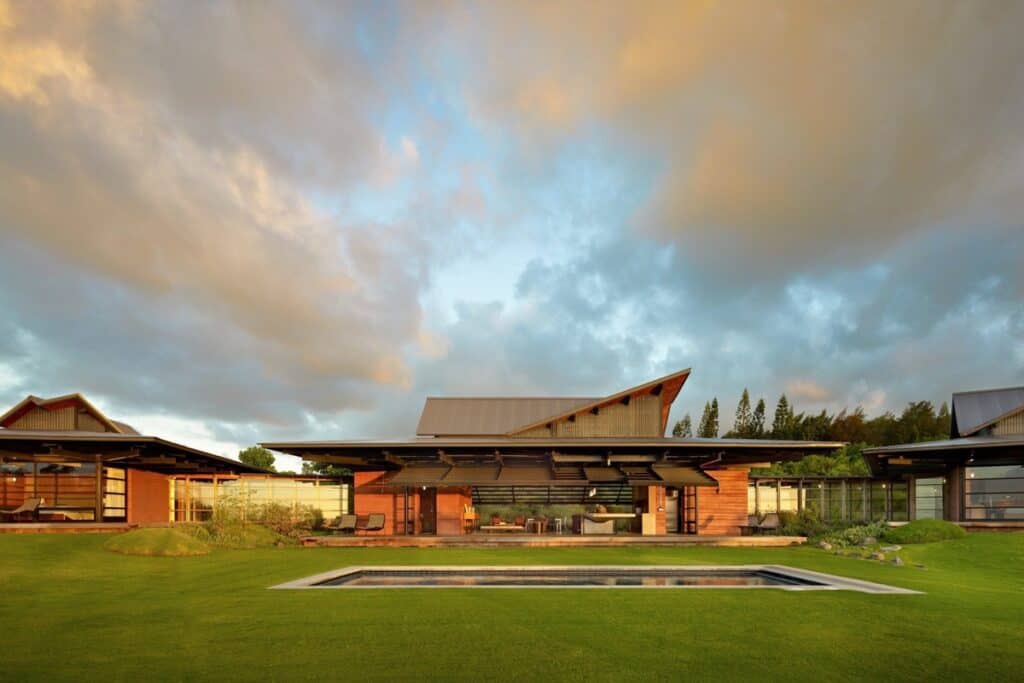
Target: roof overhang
{"x": 939, "y": 456}
{"x": 120, "y": 450}
{"x": 396, "y": 454}
{"x": 497, "y": 475}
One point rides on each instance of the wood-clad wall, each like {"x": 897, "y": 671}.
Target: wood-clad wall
{"x": 451, "y": 504}
{"x": 148, "y": 497}
{"x": 39, "y": 418}
{"x": 641, "y": 417}
{"x": 722, "y": 511}
{"x": 370, "y": 498}
{"x": 1012, "y": 425}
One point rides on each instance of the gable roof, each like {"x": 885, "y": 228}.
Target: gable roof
{"x": 497, "y": 416}
{"x": 56, "y": 402}
{"x": 976, "y": 410}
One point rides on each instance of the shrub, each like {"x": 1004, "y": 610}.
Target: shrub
{"x": 923, "y": 531}
{"x": 156, "y": 542}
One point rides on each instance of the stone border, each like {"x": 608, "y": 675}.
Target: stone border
{"x": 826, "y": 581}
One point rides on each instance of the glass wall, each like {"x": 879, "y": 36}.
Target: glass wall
{"x": 193, "y": 499}
{"x": 831, "y": 499}
{"x": 994, "y": 493}
{"x": 928, "y": 497}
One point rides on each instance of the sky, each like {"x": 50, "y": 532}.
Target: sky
{"x": 233, "y": 222}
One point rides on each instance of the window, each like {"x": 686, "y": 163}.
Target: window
{"x": 994, "y": 493}
{"x": 114, "y": 489}
{"x": 928, "y": 498}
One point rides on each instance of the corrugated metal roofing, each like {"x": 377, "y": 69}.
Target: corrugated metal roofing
{"x": 489, "y": 416}
{"x": 975, "y": 410}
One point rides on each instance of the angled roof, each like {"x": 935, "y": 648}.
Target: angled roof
{"x": 31, "y": 401}
{"x": 494, "y": 416}
{"x": 488, "y": 416}
{"x": 976, "y": 410}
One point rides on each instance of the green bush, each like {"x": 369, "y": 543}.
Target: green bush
{"x": 923, "y": 531}
{"x": 157, "y": 542}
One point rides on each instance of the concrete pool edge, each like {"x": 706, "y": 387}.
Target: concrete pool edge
{"x": 829, "y": 581}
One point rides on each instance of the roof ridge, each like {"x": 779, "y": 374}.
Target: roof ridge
{"x": 513, "y": 398}
{"x": 987, "y": 391}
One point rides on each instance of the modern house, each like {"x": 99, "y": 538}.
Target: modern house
{"x": 608, "y": 451}
{"x": 63, "y": 460}
{"x": 976, "y": 477}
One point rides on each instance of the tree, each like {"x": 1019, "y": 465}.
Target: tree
{"x": 709, "y": 421}
{"x": 325, "y": 469}
{"x": 257, "y": 456}
{"x": 757, "y": 420}
{"x": 705, "y": 419}
{"x": 741, "y": 425}
{"x": 781, "y": 423}
{"x": 683, "y": 428}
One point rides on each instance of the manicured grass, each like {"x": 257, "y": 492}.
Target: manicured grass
{"x": 924, "y": 531}
{"x": 156, "y": 542}
{"x": 72, "y": 611}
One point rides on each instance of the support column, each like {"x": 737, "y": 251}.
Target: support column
{"x": 98, "y": 514}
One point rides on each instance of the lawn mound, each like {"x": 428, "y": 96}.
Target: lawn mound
{"x": 233, "y": 535}
{"x": 156, "y": 543}
{"x": 923, "y": 531}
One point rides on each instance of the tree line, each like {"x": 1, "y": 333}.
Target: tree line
{"x": 919, "y": 421}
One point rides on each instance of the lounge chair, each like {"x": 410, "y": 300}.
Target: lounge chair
{"x": 348, "y": 524}
{"x": 374, "y": 522}
{"x": 770, "y": 523}
{"x": 753, "y": 522}
{"x": 30, "y": 506}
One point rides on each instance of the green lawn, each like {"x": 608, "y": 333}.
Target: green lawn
{"x": 71, "y": 610}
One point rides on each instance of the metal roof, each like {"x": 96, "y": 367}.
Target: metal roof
{"x": 488, "y": 416}
{"x": 33, "y": 442}
{"x": 966, "y": 443}
{"x": 975, "y": 410}
{"x": 497, "y": 415}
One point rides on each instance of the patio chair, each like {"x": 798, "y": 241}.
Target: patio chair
{"x": 348, "y": 523}
{"x": 751, "y": 526}
{"x": 769, "y": 524}
{"x": 31, "y": 506}
{"x": 374, "y": 522}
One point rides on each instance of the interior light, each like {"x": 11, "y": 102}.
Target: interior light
{"x": 592, "y": 492}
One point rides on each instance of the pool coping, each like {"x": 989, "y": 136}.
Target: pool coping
{"x": 831, "y": 582}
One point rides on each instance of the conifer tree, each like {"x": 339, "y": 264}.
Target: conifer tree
{"x": 712, "y": 431}
{"x": 757, "y": 420}
{"x": 741, "y": 425}
{"x": 683, "y": 428}
{"x": 783, "y": 418}
{"x": 705, "y": 421}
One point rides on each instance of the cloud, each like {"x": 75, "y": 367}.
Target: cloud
{"x": 785, "y": 137}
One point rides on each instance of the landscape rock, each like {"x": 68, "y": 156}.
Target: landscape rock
{"x": 825, "y": 545}
{"x": 869, "y": 540}
{"x": 898, "y": 561}
{"x": 878, "y": 556}
{"x": 891, "y": 548}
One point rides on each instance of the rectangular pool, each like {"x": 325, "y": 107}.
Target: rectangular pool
{"x": 727, "y": 576}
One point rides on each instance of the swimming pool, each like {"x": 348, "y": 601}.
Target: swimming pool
{"x": 580, "y": 576}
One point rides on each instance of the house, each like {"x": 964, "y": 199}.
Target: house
{"x": 608, "y": 451}
{"x": 87, "y": 468}
{"x": 976, "y": 477}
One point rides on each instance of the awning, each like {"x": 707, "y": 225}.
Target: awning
{"x": 541, "y": 475}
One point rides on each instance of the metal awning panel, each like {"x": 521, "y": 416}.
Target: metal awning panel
{"x": 418, "y": 475}
{"x": 679, "y": 477}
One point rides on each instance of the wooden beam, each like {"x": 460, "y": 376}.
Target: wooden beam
{"x": 392, "y": 458}
{"x": 444, "y": 457}
{"x": 98, "y": 515}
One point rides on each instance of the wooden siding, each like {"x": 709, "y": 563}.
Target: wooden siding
{"x": 722, "y": 511}
{"x": 641, "y": 417}
{"x": 148, "y": 497}
{"x": 39, "y": 418}
{"x": 88, "y": 423}
{"x": 1011, "y": 425}
{"x": 451, "y": 503}
{"x": 370, "y": 498}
